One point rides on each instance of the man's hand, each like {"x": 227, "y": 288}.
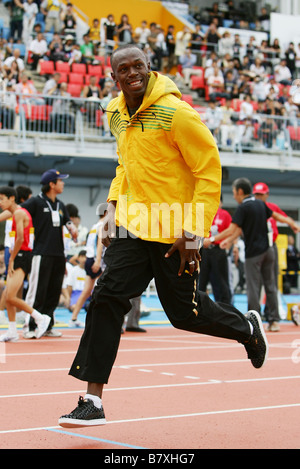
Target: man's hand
{"x": 189, "y": 252}
{"x": 109, "y": 227}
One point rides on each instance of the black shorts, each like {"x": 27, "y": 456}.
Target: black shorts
{"x": 23, "y": 261}
{"x": 88, "y": 268}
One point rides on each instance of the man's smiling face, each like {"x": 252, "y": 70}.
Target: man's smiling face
{"x": 131, "y": 70}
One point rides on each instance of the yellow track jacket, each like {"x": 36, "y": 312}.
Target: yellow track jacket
{"x": 168, "y": 180}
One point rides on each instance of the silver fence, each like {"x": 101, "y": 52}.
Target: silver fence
{"x": 56, "y": 117}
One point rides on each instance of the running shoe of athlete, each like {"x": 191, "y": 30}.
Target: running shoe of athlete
{"x": 257, "y": 347}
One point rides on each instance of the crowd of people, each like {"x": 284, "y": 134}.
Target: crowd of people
{"x": 240, "y": 81}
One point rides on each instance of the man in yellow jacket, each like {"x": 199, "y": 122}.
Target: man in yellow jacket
{"x": 162, "y": 201}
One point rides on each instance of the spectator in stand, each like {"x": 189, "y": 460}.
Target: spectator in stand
{"x": 68, "y": 44}
{"x": 38, "y": 48}
{"x": 124, "y": 30}
{"x": 282, "y": 73}
{"x": 215, "y": 83}
{"x": 251, "y": 49}
{"x": 230, "y": 84}
{"x": 228, "y": 129}
{"x": 182, "y": 41}
{"x": 284, "y": 95}
{"x": 56, "y": 51}
{"x": 258, "y": 69}
{"x": 237, "y": 46}
{"x": 188, "y": 60}
{"x": 290, "y": 57}
{"x": 272, "y": 84}
{"x": 51, "y": 84}
{"x": 16, "y": 20}
{"x": 275, "y": 47}
{"x": 52, "y": 10}
{"x": 213, "y": 118}
{"x": 30, "y": 10}
{"x": 13, "y": 74}
{"x": 170, "y": 45}
{"x": 155, "y": 45}
{"x": 267, "y": 132}
{"x": 68, "y": 20}
{"x": 216, "y": 14}
{"x": 197, "y": 41}
{"x": 15, "y": 57}
{"x": 226, "y": 44}
{"x": 292, "y": 111}
{"x": 87, "y": 50}
{"x": 8, "y": 103}
{"x": 244, "y": 135}
{"x": 210, "y": 70}
{"x": 264, "y": 19}
{"x": 26, "y": 86}
{"x": 62, "y": 115}
{"x": 75, "y": 55}
{"x": 245, "y": 64}
{"x": 244, "y": 85}
{"x": 94, "y": 34}
{"x": 212, "y": 37}
{"x": 259, "y": 90}
{"x": 93, "y": 93}
{"x": 141, "y": 34}
{"x": 109, "y": 27}
{"x": 247, "y": 110}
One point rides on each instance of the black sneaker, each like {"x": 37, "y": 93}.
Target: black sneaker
{"x": 257, "y": 347}
{"x": 85, "y": 414}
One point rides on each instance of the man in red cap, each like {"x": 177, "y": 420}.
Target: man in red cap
{"x": 261, "y": 191}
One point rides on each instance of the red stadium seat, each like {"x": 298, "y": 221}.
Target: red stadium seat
{"x": 62, "y": 67}
{"x": 47, "y": 67}
{"x": 63, "y": 77}
{"x": 95, "y": 70}
{"x": 74, "y": 89}
{"x": 76, "y": 78}
{"x": 197, "y": 82}
{"x": 79, "y": 68}
{"x": 187, "y": 98}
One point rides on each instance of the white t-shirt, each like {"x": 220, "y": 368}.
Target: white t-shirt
{"x": 30, "y": 10}
{"x": 76, "y": 278}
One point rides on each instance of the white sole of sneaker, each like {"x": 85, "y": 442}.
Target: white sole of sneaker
{"x": 262, "y": 330}
{"x": 72, "y": 423}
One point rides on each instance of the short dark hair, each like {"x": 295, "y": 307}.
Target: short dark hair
{"x": 23, "y": 192}
{"x": 123, "y": 47}
{"x": 8, "y": 192}
{"x": 244, "y": 184}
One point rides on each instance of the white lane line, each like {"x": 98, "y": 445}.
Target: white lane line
{"x": 164, "y": 417}
{"x": 126, "y": 367}
{"x": 156, "y": 386}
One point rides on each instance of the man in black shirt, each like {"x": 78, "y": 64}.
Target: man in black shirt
{"x": 251, "y": 219}
{"x": 49, "y": 215}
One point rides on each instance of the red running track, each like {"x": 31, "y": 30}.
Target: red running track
{"x": 169, "y": 389}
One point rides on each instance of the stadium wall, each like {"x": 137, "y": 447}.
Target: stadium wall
{"x": 137, "y": 11}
